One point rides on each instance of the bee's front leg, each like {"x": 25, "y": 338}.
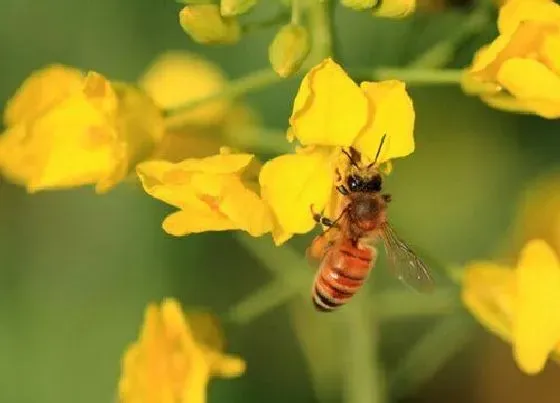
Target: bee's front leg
{"x": 321, "y": 219}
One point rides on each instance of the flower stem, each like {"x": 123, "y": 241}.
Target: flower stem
{"x": 429, "y": 354}
{"x": 321, "y": 31}
{"x": 410, "y": 75}
{"x": 296, "y": 12}
{"x": 364, "y": 380}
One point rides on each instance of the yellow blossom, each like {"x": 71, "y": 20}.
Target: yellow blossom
{"x": 209, "y": 192}
{"x": 169, "y": 363}
{"x": 520, "y": 70}
{"x": 520, "y": 305}
{"x": 177, "y": 78}
{"x": 66, "y": 129}
{"x": 331, "y": 111}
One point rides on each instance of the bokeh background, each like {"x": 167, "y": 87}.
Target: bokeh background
{"x": 78, "y": 269}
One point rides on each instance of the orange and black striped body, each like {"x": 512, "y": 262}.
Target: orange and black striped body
{"x": 343, "y": 270}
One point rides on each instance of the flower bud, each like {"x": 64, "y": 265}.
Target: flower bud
{"x": 204, "y": 24}
{"x": 359, "y": 4}
{"x": 394, "y": 8}
{"x": 231, "y": 8}
{"x": 289, "y": 49}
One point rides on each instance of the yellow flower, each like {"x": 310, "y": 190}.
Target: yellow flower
{"x": 520, "y": 305}
{"x": 168, "y": 363}
{"x": 520, "y": 70}
{"x": 177, "y": 78}
{"x": 65, "y": 129}
{"x": 209, "y": 192}
{"x": 331, "y": 111}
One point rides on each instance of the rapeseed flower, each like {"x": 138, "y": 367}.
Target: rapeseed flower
{"x": 520, "y": 70}
{"x": 210, "y": 193}
{"x": 521, "y": 304}
{"x": 66, "y": 129}
{"x": 177, "y": 78}
{"x": 174, "y": 358}
{"x": 330, "y": 111}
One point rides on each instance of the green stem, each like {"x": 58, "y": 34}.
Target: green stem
{"x": 296, "y": 12}
{"x": 321, "y": 31}
{"x": 410, "y": 76}
{"x": 442, "y": 52}
{"x": 364, "y": 380}
{"x": 429, "y": 354}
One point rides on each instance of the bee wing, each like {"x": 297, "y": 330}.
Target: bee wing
{"x": 404, "y": 263}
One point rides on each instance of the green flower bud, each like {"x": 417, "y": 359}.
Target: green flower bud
{"x": 204, "y": 24}
{"x": 230, "y": 8}
{"x": 394, "y": 8}
{"x": 359, "y": 4}
{"x": 289, "y": 49}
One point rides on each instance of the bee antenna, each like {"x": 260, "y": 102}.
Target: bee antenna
{"x": 350, "y": 158}
{"x": 379, "y": 150}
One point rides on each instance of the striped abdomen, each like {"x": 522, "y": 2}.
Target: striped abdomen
{"x": 343, "y": 271}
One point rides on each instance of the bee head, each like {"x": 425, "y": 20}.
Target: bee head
{"x": 357, "y": 183}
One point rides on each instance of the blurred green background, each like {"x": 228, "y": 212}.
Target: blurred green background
{"x": 78, "y": 269}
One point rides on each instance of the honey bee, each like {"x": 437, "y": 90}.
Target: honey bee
{"x": 346, "y": 248}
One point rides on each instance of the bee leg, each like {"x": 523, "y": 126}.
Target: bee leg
{"x": 387, "y": 198}
{"x": 342, "y": 190}
{"x": 321, "y": 219}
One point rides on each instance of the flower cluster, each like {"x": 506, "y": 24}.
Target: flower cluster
{"x": 175, "y": 130}
{"x": 520, "y": 70}
{"x": 222, "y": 23}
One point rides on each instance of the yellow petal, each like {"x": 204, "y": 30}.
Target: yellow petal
{"x": 551, "y": 52}
{"x": 101, "y": 94}
{"x": 488, "y": 292}
{"x": 291, "y": 183}
{"x": 166, "y": 182}
{"x": 176, "y": 78}
{"x": 393, "y": 114}
{"x": 246, "y": 209}
{"x": 43, "y": 89}
{"x": 79, "y": 143}
{"x": 17, "y": 162}
{"x": 140, "y": 127}
{"x": 516, "y": 11}
{"x": 217, "y": 164}
{"x": 488, "y": 53}
{"x": 537, "y": 323}
{"x": 523, "y": 42}
{"x": 329, "y": 108}
{"x": 533, "y": 83}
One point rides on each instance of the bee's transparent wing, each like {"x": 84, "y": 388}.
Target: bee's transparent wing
{"x": 404, "y": 263}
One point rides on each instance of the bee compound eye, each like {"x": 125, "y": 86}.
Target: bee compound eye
{"x": 354, "y": 183}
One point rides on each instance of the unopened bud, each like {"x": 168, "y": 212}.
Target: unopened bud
{"x": 230, "y": 8}
{"x": 394, "y": 8}
{"x": 204, "y": 24}
{"x": 359, "y": 4}
{"x": 289, "y": 49}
